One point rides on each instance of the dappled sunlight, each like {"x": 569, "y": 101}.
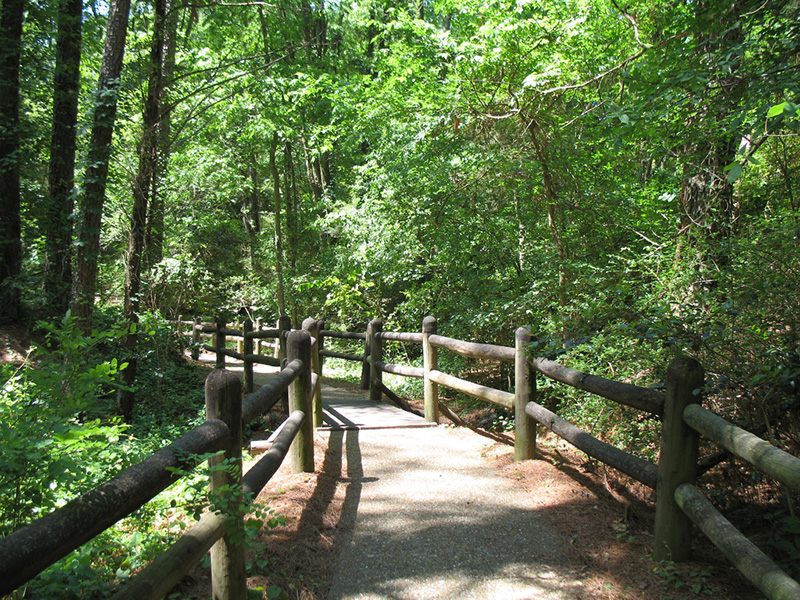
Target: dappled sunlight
{"x": 435, "y": 521}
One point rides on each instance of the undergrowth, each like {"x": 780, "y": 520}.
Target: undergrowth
{"x": 61, "y": 437}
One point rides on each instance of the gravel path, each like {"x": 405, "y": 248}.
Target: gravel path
{"x": 426, "y": 517}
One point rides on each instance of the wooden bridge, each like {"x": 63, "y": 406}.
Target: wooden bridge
{"x": 419, "y": 497}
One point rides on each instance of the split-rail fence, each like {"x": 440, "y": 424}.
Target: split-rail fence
{"x": 679, "y": 503}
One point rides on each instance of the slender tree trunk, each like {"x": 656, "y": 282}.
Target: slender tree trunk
{"x": 707, "y": 207}
{"x": 290, "y": 194}
{"x": 94, "y": 192}
{"x": 11, "y": 15}
{"x": 276, "y": 194}
{"x": 154, "y": 236}
{"x": 552, "y": 205}
{"x": 252, "y": 215}
{"x": 61, "y": 201}
{"x": 312, "y": 173}
{"x": 143, "y": 187}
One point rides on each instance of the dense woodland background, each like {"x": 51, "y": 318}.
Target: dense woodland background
{"x": 624, "y": 179}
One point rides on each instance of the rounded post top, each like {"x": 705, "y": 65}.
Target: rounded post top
{"x": 687, "y": 369}
{"x": 298, "y": 336}
{"x": 429, "y": 325}
{"x": 522, "y": 334}
{"x": 376, "y": 324}
{"x": 310, "y": 323}
{"x": 222, "y": 378}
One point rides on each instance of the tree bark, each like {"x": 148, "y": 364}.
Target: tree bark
{"x": 143, "y": 188}
{"x": 99, "y": 155}
{"x": 276, "y": 194}
{"x": 252, "y": 215}
{"x": 154, "y": 233}
{"x": 707, "y": 207}
{"x": 11, "y": 17}
{"x": 61, "y": 201}
{"x": 290, "y": 194}
{"x": 552, "y": 204}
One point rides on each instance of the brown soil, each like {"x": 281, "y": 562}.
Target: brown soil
{"x": 607, "y": 520}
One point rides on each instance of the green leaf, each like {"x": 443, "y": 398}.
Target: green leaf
{"x": 734, "y": 171}
{"x": 274, "y": 591}
{"x": 777, "y": 110}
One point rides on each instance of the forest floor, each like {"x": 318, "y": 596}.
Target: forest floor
{"x": 608, "y": 522}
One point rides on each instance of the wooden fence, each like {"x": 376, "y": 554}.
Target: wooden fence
{"x": 678, "y": 502}
{"x": 31, "y": 549}
{"x": 26, "y": 552}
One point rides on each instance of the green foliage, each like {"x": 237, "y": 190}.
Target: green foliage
{"x": 56, "y": 435}
{"x": 59, "y": 441}
{"x": 685, "y": 584}
{"x": 784, "y": 542}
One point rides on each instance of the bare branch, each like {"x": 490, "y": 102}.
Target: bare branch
{"x": 630, "y": 18}
{"x": 614, "y": 69}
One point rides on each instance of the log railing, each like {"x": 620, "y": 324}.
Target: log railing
{"x": 678, "y": 502}
{"x": 31, "y": 549}
{"x": 245, "y": 335}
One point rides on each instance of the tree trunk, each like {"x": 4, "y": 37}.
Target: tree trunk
{"x": 154, "y": 233}
{"x": 61, "y": 203}
{"x": 252, "y": 216}
{"x": 143, "y": 187}
{"x": 290, "y": 194}
{"x": 707, "y": 207}
{"x": 276, "y": 194}
{"x": 94, "y": 192}
{"x": 552, "y": 204}
{"x": 10, "y": 223}
{"x": 312, "y": 173}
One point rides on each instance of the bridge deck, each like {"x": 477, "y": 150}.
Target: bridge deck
{"x": 346, "y": 410}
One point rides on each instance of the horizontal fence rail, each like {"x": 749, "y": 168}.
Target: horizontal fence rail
{"x": 631, "y": 395}
{"x": 473, "y": 350}
{"x": 29, "y": 550}
{"x": 641, "y": 470}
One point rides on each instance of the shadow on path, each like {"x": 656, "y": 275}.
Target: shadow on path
{"x": 425, "y": 517}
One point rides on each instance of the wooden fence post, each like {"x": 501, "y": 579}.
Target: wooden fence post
{"x": 375, "y": 356}
{"x": 312, "y": 327}
{"x": 284, "y": 325}
{"x": 677, "y": 463}
{"x": 198, "y": 322}
{"x": 430, "y": 361}
{"x": 247, "y": 350}
{"x": 220, "y": 344}
{"x": 524, "y": 392}
{"x": 321, "y": 346}
{"x": 257, "y": 346}
{"x": 224, "y": 402}
{"x": 300, "y": 398}
{"x": 365, "y": 366}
